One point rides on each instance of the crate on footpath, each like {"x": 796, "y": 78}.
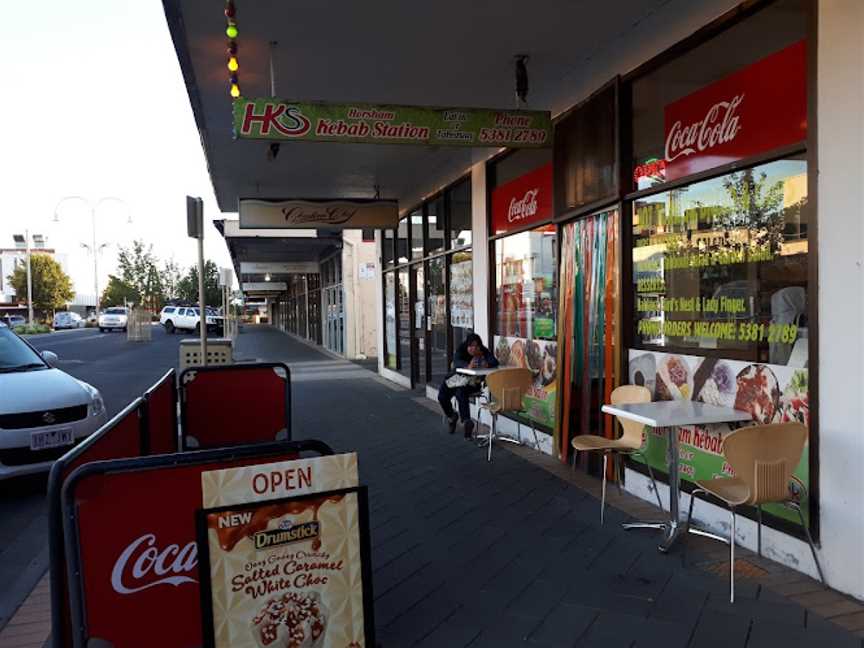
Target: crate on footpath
{"x": 139, "y": 325}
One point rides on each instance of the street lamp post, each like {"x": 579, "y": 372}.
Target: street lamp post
{"x": 92, "y": 247}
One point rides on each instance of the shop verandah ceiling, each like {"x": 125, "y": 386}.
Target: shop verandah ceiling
{"x": 444, "y": 53}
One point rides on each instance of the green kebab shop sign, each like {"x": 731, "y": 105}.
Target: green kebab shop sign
{"x": 276, "y": 119}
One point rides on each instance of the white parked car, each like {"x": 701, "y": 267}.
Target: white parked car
{"x": 113, "y": 318}
{"x": 187, "y": 318}
{"x": 68, "y": 320}
{"x": 43, "y": 411}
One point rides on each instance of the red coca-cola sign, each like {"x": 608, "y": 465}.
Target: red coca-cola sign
{"x": 138, "y": 553}
{"x": 757, "y": 109}
{"x": 523, "y": 201}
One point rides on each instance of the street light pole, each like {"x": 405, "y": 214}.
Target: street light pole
{"x": 94, "y": 249}
{"x": 29, "y": 281}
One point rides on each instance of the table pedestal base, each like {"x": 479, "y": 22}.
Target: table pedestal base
{"x": 671, "y": 530}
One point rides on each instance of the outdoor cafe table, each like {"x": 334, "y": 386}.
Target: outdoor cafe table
{"x": 668, "y": 416}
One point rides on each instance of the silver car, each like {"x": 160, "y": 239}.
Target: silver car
{"x": 68, "y": 320}
{"x": 43, "y": 411}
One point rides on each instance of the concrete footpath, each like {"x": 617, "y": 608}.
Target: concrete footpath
{"x": 512, "y": 554}
{"x": 466, "y": 553}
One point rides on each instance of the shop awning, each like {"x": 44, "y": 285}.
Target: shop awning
{"x": 445, "y": 53}
{"x": 267, "y": 256}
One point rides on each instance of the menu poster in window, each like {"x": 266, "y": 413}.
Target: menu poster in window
{"x": 540, "y": 356}
{"x": 289, "y": 572}
{"x": 462, "y": 294}
{"x": 770, "y": 393}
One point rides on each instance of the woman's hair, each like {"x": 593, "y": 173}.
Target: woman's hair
{"x": 473, "y": 337}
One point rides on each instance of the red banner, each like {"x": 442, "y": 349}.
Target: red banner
{"x": 527, "y": 199}
{"x": 757, "y": 109}
{"x": 139, "y": 555}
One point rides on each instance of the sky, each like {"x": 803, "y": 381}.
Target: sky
{"x": 94, "y": 105}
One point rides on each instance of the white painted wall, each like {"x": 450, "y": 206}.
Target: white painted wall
{"x": 480, "y": 257}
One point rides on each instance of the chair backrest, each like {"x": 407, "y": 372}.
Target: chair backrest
{"x": 764, "y": 456}
{"x": 508, "y": 386}
{"x": 631, "y": 434}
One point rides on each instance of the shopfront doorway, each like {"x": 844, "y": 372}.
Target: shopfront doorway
{"x": 419, "y": 339}
{"x": 591, "y": 329}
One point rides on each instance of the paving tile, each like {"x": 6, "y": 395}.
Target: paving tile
{"x": 564, "y": 624}
{"x": 717, "y": 629}
{"x": 621, "y": 629}
{"x": 765, "y": 634}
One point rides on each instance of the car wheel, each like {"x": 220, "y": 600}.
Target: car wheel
{"x": 169, "y": 327}
{"x": 198, "y": 328}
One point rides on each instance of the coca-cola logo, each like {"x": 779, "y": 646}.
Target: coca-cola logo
{"x": 143, "y": 565}
{"x": 719, "y": 126}
{"x": 525, "y": 207}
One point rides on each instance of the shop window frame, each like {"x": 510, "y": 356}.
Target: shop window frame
{"x": 808, "y": 148}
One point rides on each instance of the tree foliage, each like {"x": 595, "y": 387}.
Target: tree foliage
{"x": 52, "y": 288}
{"x": 139, "y": 269}
{"x": 119, "y": 293}
{"x": 187, "y": 287}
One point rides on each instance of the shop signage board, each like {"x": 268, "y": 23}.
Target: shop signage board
{"x": 328, "y": 214}
{"x": 130, "y": 532}
{"x": 287, "y": 267}
{"x": 264, "y": 286}
{"x": 288, "y": 556}
{"x": 279, "y": 119}
{"x": 527, "y": 199}
{"x": 757, "y": 109}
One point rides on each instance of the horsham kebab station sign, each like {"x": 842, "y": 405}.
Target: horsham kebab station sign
{"x": 275, "y": 119}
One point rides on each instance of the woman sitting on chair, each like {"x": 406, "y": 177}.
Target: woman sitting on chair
{"x": 471, "y": 354}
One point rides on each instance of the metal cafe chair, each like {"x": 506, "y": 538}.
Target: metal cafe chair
{"x": 763, "y": 458}
{"x": 506, "y": 388}
{"x": 631, "y": 442}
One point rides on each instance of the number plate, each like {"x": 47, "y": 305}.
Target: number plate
{"x": 51, "y": 439}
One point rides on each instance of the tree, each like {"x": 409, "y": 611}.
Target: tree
{"x": 187, "y": 287}
{"x": 171, "y": 277}
{"x": 139, "y": 269}
{"x": 757, "y": 205}
{"x": 52, "y": 288}
{"x": 118, "y": 293}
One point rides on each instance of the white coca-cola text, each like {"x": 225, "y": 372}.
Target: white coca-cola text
{"x": 524, "y": 207}
{"x": 143, "y": 565}
{"x": 719, "y": 126}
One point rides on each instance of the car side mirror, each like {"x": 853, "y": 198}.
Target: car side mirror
{"x": 50, "y": 357}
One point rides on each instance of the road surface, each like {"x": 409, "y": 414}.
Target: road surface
{"x": 121, "y": 370}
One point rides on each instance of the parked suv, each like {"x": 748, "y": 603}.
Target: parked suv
{"x": 188, "y": 318}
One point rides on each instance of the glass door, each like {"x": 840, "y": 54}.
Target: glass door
{"x": 419, "y": 338}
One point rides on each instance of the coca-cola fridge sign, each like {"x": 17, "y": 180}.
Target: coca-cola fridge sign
{"x": 130, "y": 533}
{"x": 523, "y": 201}
{"x": 757, "y": 109}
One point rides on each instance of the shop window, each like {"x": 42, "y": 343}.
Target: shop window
{"x": 416, "y": 220}
{"x": 585, "y": 152}
{"x": 513, "y": 165}
{"x": 461, "y": 295}
{"x": 387, "y": 248}
{"x": 435, "y": 224}
{"x": 402, "y": 242}
{"x": 460, "y": 214}
{"x": 439, "y": 360}
{"x": 774, "y": 28}
{"x": 526, "y": 270}
{"x": 720, "y": 312}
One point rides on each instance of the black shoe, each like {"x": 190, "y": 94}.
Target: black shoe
{"x": 469, "y": 429}
{"x": 452, "y": 422}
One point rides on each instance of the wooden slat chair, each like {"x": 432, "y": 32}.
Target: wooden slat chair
{"x": 763, "y": 458}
